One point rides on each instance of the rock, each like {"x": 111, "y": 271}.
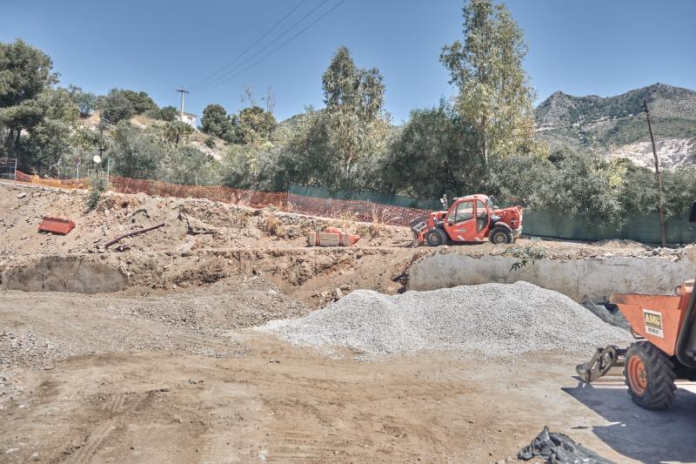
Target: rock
{"x": 22, "y": 195}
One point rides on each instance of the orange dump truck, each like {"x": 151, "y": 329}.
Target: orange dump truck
{"x": 665, "y": 349}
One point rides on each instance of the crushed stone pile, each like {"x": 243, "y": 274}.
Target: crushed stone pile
{"x": 490, "y": 319}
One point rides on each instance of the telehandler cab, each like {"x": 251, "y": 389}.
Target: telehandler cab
{"x": 469, "y": 219}
{"x": 665, "y": 349}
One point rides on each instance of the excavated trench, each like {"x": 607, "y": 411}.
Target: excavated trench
{"x": 319, "y": 276}
{"x": 76, "y": 274}
{"x": 314, "y": 275}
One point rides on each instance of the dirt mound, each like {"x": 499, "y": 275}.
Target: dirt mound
{"x": 216, "y": 309}
{"x": 41, "y": 330}
{"x": 190, "y": 224}
{"x": 621, "y": 244}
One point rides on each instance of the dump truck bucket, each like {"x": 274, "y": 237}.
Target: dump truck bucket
{"x": 56, "y": 225}
{"x": 657, "y": 318}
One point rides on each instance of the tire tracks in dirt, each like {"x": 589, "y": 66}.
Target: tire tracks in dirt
{"x": 118, "y": 407}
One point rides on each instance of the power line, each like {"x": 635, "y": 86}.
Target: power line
{"x": 228, "y": 77}
{"x": 209, "y": 78}
{"x": 265, "y": 47}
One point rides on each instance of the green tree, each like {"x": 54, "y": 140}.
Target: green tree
{"x": 119, "y": 104}
{"x": 680, "y": 191}
{"x": 188, "y": 165}
{"x": 166, "y": 113}
{"x": 494, "y": 92}
{"x": 49, "y": 144}
{"x": 354, "y": 101}
{"x": 433, "y": 155}
{"x": 251, "y": 166}
{"x": 176, "y": 131}
{"x": 304, "y": 158}
{"x": 116, "y": 106}
{"x": 581, "y": 186}
{"x": 25, "y": 72}
{"x": 135, "y": 154}
{"x": 85, "y": 101}
{"x": 215, "y": 121}
{"x": 141, "y": 101}
{"x": 255, "y": 125}
{"x": 340, "y": 146}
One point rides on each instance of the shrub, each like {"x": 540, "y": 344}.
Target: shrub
{"x": 95, "y": 192}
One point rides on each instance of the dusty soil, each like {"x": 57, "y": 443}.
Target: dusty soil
{"x": 171, "y": 369}
{"x": 104, "y": 385}
{"x": 204, "y": 241}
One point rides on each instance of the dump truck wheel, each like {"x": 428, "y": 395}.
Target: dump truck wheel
{"x": 650, "y": 376}
{"x": 435, "y": 237}
{"x": 500, "y": 236}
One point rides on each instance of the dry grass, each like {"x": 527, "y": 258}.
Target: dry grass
{"x": 346, "y": 219}
{"x": 272, "y": 226}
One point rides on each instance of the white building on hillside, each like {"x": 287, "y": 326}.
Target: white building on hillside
{"x": 188, "y": 118}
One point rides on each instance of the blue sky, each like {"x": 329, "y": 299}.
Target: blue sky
{"x": 580, "y": 47}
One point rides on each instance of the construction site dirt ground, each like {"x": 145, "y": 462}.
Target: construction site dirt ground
{"x": 171, "y": 369}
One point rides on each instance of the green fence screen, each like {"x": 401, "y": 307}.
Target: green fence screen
{"x": 545, "y": 224}
{"x": 644, "y": 229}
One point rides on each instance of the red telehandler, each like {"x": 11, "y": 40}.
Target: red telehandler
{"x": 665, "y": 349}
{"x": 469, "y": 219}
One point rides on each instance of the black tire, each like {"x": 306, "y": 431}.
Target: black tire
{"x": 500, "y": 236}
{"x": 435, "y": 237}
{"x": 653, "y": 387}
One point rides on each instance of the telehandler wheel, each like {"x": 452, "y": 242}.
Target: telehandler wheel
{"x": 435, "y": 237}
{"x": 650, "y": 376}
{"x": 500, "y": 236}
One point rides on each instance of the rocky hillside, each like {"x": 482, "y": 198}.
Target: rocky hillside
{"x": 616, "y": 126}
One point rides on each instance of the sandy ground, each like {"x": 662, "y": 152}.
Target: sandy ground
{"x": 105, "y": 386}
{"x": 171, "y": 369}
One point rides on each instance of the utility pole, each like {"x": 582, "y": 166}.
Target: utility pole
{"x": 182, "y": 92}
{"x": 661, "y": 200}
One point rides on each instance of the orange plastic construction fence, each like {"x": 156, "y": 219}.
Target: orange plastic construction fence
{"x": 357, "y": 210}
{"x": 49, "y": 182}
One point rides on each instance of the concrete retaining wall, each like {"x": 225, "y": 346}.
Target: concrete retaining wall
{"x": 593, "y": 277}
{"x": 66, "y": 274}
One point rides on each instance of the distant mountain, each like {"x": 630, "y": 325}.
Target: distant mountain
{"x": 616, "y": 126}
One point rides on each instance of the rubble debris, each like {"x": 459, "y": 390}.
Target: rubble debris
{"x": 56, "y": 225}
{"x": 557, "y": 448}
{"x": 137, "y": 232}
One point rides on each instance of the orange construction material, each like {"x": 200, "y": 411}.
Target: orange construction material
{"x": 346, "y": 239}
{"x": 332, "y": 239}
{"x": 56, "y": 225}
{"x": 657, "y": 318}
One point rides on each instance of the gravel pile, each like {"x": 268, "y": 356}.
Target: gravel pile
{"x": 491, "y": 319}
